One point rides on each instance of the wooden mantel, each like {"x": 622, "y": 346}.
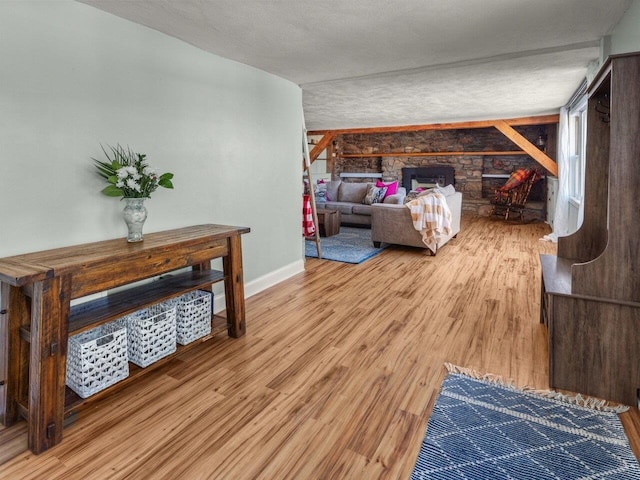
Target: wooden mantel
{"x": 504, "y": 126}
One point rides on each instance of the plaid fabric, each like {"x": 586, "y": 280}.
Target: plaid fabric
{"x": 308, "y": 227}
{"x": 502, "y": 195}
{"x": 517, "y": 178}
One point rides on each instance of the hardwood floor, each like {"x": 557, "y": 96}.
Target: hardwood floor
{"x": 336, "y": 376}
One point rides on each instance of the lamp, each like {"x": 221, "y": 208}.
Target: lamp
{"x": 541, "y": 142}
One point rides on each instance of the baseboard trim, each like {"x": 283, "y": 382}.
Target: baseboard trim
{"x": 262, "y": 283}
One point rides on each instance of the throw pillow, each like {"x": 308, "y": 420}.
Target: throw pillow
{"x": 321, "y": 191}
{"x": 392, "y": 187}
{"x": 374, "y": 195}
{"x": 332, "y": 190}
{"x": 446, "y": 191}
{"x": 352, "y": 192}
{"x": 516, "y": 178}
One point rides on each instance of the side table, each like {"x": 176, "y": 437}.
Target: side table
{"x": 328, "y": 222}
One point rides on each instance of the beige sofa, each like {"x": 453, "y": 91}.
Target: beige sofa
{"x": 347, "y": 198}
{"x": 392, "y": 224}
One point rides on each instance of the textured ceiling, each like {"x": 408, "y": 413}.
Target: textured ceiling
{"x": 378, "y": 62}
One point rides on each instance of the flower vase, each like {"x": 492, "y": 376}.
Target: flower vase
{"x": 134, "y": 215}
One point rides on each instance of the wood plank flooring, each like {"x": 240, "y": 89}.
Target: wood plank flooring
{"x": 336, "y": 376}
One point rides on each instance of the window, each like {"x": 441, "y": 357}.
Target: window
{"x": 577, "y": 148}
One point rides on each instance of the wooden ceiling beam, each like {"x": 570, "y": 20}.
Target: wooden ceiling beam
{"x": 321, "y": 145}
{"x": 533, "y": 151}
{"x": 504, "y": 126}
{"x": 434, "y": 154}
{"x": 536, "y": 120}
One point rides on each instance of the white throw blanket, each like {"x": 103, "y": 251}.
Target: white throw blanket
{"x": 431, "y": 216}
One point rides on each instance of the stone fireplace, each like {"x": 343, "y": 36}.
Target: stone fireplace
{"x": 476, "y": 174}
{"x": 464, "y": 172}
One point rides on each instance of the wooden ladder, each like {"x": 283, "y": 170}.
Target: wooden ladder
{"x": 306, "y": 166}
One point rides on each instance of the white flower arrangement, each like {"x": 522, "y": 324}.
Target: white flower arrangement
{"x": 128, "y": 174}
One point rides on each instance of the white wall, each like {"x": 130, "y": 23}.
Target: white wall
{"x": 73, "y": 77}
{"x": 626, "y": 35}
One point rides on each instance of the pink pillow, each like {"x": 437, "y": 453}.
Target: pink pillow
{"x": 392, "y": 187}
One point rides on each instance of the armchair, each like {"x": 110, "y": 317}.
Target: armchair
{"x": 513, "y": 195}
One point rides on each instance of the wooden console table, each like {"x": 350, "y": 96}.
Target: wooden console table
{"x": 36, "y": 317}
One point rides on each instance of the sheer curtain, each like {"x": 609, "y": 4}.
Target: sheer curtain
{"x": 561, "y": 216}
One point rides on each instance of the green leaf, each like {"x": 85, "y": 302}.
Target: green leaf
{"x": 165, "y": 182}
{"x": 112, "y": 191}
{"x": 104, "y": 169}
{"x": 112, "y": 179}
{"x": 166, "y": 176}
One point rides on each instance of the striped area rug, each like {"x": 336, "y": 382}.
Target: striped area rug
{"x": 482, "y": 428}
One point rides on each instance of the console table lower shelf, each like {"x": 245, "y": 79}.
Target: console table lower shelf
{"x": 73, "y": 403}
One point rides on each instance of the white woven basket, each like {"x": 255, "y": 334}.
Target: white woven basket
{"x": 151, "y": 333}
{"x": 193, "y": 315}
{"x": 97, "y": 358}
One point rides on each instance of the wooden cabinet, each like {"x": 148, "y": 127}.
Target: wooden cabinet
{"x": 37, "y": 318}
{"x": 591, "y": 290}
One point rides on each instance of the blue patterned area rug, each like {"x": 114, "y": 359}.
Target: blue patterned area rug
{"x": 482, "y": 429}
{"x": 351, "y": 245}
